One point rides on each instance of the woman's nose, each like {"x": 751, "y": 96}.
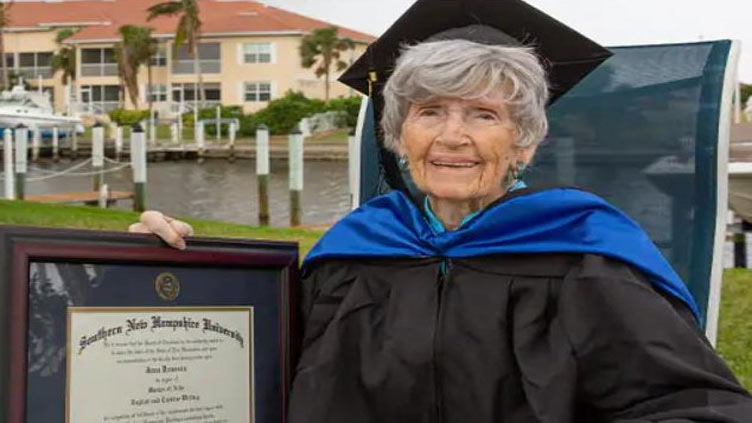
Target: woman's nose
{"x": 453, "y": 130}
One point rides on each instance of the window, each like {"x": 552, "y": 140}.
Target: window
{"x": 157, "y": 92}
{"x": 257, "y": 53}
{"x": 184, "y": 96}
{"x": 10, "y": 60}
{"x": 160, "y": 58}
{"x": 258, "y": 91}
{"x": 100, "y": 99}
{"x": 98, "y": 62}
{"x": 209, "y": 58}
{"x": 34, "y": 65}
{"x": 212, "y": 93}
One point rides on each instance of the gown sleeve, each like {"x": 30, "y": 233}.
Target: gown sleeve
{"x": 640, "y": 357}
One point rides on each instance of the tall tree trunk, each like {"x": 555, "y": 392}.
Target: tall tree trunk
{"x": 327, "y": 66}
{"x": 197, "y": 96}
{"x": 123, "y": 95}
{"x": 149, "y": 92}
{"x": 200, "y": 94}
{"x": 73, "y": 99}
{"x": 133, "y": 94}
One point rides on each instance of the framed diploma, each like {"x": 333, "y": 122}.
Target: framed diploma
{"x": 102, "y": 327}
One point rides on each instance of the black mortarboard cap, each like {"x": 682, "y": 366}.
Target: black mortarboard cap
{"x": 567, "y": 55}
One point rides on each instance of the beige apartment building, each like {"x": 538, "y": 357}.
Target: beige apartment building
{"x": 248, "y": 54}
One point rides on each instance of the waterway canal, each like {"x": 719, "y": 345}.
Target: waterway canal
{"x": 216, "y": 189}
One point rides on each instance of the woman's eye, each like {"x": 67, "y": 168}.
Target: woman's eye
{"x": 485, "y": 116}
{"x": 428, "y": 112}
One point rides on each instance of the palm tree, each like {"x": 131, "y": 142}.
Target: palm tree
{"x": 136, "y": 48}
{"x": 4, "y": 22}
{"x": 64, "y": 59}
{"x": 187, "y": 31}
{"x": 322, "y": 47}
{"x": 122, "y": 63}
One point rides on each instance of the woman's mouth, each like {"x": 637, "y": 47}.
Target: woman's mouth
{"x": 458, "y": 164}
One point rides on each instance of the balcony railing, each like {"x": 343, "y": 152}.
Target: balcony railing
{"x": 31, "y": 72}
{"x": 99, "y": 69}
{"x": 188, "y": 106}
{"x": 99, "y": 107}
{"x": 187, "y": 66}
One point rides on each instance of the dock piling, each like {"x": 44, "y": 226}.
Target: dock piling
{"x": 97, "y": 155}
{"x": 262, "y": 173}
{"x": 138, "y": 164}
{"x": 174, "y": 132}
{"x": 152, "y": 128}
{"x": 22, "y": 151}
{"x": 36, "y": 141}
{"x": 73, "y": 143}
{"x": 296, "y": 175}
{"x": 103, "y": 194}
{"x": 200, "y": 140}
{"x": 55, "y": 144}
{"x": 218, "y": 122}
{"x": 8, "y": 164}
{"x": 118, "y": 142}
{"x": 231, "y": 130}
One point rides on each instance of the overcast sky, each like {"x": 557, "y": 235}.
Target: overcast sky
{"x": 608, "y": 22}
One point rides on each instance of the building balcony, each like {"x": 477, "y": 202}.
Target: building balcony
{"x": 31, "y": 72}
{"x": 98, "y": 69}
{"x": 184, "y": 67}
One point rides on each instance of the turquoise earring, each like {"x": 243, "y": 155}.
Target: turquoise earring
{"x": 516, "y": 172}
{"x": 403, "y": 164}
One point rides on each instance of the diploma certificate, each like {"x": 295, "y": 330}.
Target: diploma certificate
{"x": 160, "y": 365}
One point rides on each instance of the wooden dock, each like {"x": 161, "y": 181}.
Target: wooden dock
{"x": 324, "y": 151}
{"x": 88, "y": 197}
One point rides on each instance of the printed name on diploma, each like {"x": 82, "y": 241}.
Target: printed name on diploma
{"x": 158, "y": 323}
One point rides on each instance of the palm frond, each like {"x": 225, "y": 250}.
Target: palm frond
{"x": 167, "y": 8}
{"x": 180, "y": 36}
{"x": 322, "y": 48}
{"x": 5, "y": 13}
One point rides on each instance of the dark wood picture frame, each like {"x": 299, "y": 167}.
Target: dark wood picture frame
{"x": 20, "y": 246}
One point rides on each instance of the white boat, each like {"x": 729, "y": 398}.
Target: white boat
{"x": 31, "y": 109}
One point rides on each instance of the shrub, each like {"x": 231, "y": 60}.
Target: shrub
{"x": 281, "y": 115}
{"x": 746, "y": 91}
{"x": 349, "y": 105}
{"x": 128, "y": 117}
{"x": 211, "y": 113}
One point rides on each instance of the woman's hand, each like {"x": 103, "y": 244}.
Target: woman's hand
{"x": 172, "y": 231}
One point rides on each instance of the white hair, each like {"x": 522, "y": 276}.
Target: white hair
{"x": 468, "y": 70}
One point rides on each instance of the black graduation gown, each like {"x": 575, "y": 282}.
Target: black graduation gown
{"x": 533, "y": 338}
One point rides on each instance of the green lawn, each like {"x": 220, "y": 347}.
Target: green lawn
{"x": 735, "y": 334}
{"x": 85, "y": 217}
{"x": 735, "y": 329}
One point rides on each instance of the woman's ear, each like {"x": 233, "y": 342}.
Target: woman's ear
{"x": 399, "y": 148}
{"x": 526, "y": 154}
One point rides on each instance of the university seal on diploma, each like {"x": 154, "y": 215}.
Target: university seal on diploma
{"x": 167, "y": 286}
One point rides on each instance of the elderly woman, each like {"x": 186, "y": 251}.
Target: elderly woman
{"x": 488, "y": 301}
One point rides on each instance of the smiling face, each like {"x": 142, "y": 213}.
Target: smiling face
{"x": 460, "y": 150}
